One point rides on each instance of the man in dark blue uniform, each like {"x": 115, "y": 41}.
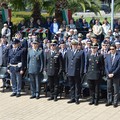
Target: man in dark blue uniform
{"x": 16, "y": 67}
{"x": 95, "y": 69}
{"x": 74, "y": 69}
{"x": 53, "y": 67}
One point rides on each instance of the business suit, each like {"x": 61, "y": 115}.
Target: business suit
{"x": 112, "y": 67}
{"x": 74, "y": 69}
{"x": 35, "y": 68}
{"x": 53, "y": 67}
{"x": 95, "y": 69}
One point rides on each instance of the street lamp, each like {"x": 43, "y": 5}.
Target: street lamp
{"x": 112, "y": 14}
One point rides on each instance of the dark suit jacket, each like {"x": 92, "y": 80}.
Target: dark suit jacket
{"x": 113, "y": 68}
{"x": 75, "y": 63}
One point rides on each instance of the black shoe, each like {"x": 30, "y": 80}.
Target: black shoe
{"x": 91, "y": 102}
{"x": 37, "y": 97}
{"x": 55, "y": 98}
{"x": 3, "y": 86}
{"x": 108, "y": 104}
{"x": 115, "y": 105}
{"x": 71, "y": 101}
{"x": 96, "y": 103}
{"x": 7, "y": 87}
{"x": 51, "y": 98}
{"x": 77, "y": 102}
{"x": 32, "y": 97}
{"x": 13, "y": 94}
{"x": 18, "y": 95}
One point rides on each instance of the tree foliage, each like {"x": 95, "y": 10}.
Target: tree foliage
{"x": 117, "y": 6}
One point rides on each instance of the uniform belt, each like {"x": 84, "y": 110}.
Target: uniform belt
{"x": 14, "y": 65}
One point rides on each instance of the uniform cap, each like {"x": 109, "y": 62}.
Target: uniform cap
{"x": 15, "y": 41}
{"x": 74, "y": 42}
{"x": 88, "y": 41}
{"x": 35, "y": 41}
{"x": 93, "y": 36}
{"x": 117, "y": 43}
{"x": 94, "y": 45}
{"x": 80, "y": 35}
{"x": 105, "y": 42}
{"x": 53, "y": 42}
{"x": 62, "y": 42}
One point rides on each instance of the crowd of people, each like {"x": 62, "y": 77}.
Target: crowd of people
{"x": 68, "y": 53}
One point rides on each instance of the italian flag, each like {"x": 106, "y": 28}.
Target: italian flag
{"x": 6, "y": 13}
{"x": 67, "y": 15}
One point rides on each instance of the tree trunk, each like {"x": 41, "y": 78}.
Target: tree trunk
{"x": 36, "y": 11}
{"x": 59, "y": 6}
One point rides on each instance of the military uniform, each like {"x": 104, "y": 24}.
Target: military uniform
{"x": 53, "y": 67}
{"x": 95, "y": 69}
{"x": 74, "y": 70}
{"x": 15, "y": 66}
{"x": 35, "y": 68}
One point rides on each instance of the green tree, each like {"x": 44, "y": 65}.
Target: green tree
{"x": 82, "y": 5}
{"x": 73, "y": 5}
{"x": 117, "y": 6}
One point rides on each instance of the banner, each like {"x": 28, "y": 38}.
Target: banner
{"x": 6, "y": 13}
{"x": 67, "y": 15}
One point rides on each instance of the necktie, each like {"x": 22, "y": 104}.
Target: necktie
{"x": 112, "y": 58}
{"x": 14, "y": 51}
{"x": 52, "y": 52}
{"x": 63, "y": 53}
{"x": 74, "y": 51}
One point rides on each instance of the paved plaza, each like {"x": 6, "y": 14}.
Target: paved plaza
{"x": 23, "y": 108}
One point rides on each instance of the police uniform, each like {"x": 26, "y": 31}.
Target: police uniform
{"x": 15, "y": 66}
{"x": 53, "y": 67}
{"x": 74, "y": 69}
{"x": 95, "y": 68}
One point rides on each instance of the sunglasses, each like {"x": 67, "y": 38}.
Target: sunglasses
{"x": 53, "y": 45}
{"x": 105, "y": 45}
{"x": 35, "y": 43}
{"x": 112, "y": 49}
{"x": 94, "y": 47}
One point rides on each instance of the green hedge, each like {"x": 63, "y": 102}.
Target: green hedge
{"x": 22, "y": 15}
